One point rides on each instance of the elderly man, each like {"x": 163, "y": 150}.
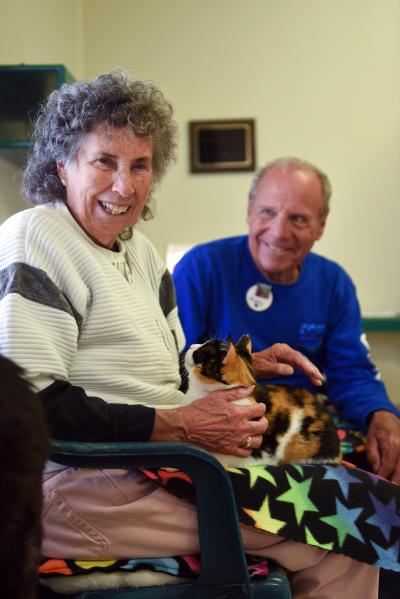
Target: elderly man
{"x": 270, "y": 285}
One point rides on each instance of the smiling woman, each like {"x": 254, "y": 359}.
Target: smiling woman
{"x": 108, "y": 183}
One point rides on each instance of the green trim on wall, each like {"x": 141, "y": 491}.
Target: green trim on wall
{"x": 381, "y": 323}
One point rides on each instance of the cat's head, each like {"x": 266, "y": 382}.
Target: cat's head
{"x": 219, "y": 363}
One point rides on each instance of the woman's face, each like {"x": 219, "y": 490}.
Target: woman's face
{"x": 108, "y": 183}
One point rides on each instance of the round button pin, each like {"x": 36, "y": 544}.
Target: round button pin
{"x": 259, "y": 297}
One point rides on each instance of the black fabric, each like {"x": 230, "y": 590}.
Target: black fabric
{"x": 183, "y": 372}
{"x": 389, "y": 584}
{"x": 336, "y": 507}
{"x": 74, "y": 416}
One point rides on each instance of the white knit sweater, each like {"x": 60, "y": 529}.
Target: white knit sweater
{"x": 72, "y": 310}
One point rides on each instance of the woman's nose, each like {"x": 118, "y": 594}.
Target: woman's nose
{"x": 123, "y": 184}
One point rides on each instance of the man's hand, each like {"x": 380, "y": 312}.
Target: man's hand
{"x": 383, "y": 445}
{"x": 281, "y": 360}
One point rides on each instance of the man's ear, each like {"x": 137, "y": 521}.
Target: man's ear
{"x": 248, "y": 214}
{"x": 321, "y": 227}
{"x": 62, "y": 173}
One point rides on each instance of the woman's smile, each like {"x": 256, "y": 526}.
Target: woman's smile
{"x": 114, "y": 209}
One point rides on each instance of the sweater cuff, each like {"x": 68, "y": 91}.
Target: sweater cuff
{"x": 74, "y": 416}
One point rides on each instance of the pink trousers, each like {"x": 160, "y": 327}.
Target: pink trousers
{"x": 115, "y": 514}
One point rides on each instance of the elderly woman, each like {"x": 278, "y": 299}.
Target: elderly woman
{"x": 87, "y": 309}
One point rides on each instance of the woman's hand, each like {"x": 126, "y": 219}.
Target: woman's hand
{"x": 281, "y": 360}
{"x": 215, "y": 423}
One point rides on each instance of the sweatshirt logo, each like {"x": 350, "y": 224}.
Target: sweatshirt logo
{"x": 312, "y": 336}
{"x": 259, "y": 297}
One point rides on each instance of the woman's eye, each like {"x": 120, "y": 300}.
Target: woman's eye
{"x": 140, "y": 166}
{"x": 104, "y": 162}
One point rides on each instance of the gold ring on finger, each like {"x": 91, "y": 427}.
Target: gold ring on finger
{"x": 248, "y": 444}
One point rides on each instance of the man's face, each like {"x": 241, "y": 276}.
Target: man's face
{"x": 108, "y": 183}
{"x": 284, "y": 221}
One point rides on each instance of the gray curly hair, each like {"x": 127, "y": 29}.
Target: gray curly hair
{"x": 291, "y": 164}
{"x": 76, "y": 108}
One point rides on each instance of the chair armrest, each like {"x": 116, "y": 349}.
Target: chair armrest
{"x": 222, "y": 554}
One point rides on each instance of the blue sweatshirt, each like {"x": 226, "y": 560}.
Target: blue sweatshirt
{"x": 221, "y": 292}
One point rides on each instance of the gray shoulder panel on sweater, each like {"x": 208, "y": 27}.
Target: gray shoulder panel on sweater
{"x": 33, "y": 284}
{"x": 167, "y": 295}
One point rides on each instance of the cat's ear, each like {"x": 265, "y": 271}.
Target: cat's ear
{"x": 230, "y": 356}
{"x": 244, "y": 344}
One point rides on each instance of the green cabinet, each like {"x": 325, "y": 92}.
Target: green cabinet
{"x": 23, "y": 88}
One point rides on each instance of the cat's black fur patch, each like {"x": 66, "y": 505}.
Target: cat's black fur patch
{"x": 210, "y": 356}
{"x": 281, "y": 424}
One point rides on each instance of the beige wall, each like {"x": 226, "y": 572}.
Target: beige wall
{"x": 321, "y": 78}
{"x": 385, "y": 351}
{"x": 35, "y": 32}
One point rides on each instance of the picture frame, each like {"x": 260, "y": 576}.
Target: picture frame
{"x": 222, "y": 145}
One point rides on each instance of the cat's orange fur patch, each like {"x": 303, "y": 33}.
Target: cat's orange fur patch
{"x": 299, "y": 449}
{"x": 235, "y": 371}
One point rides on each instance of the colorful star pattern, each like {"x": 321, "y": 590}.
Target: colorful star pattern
{"x": 298, "y": 496}
{"x": 263, "y": 519}
{"x": 343, "y": 478}
{"x": 386, "y": 557}
{"x": 311, "y": 540}
{"x": 357, "y": 515}
{"x": 384, "y": 513}
{"x": 256, "y": 472}
{"x": 344, "y": 521}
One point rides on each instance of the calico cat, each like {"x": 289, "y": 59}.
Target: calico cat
{"x": 299, "y": 429}
{"x": 23, "y": 452}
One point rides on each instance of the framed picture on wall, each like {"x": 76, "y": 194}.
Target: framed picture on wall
{"x": 226, "y": 145}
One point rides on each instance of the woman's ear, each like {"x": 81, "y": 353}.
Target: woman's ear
{"x": 62, "y": 173}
